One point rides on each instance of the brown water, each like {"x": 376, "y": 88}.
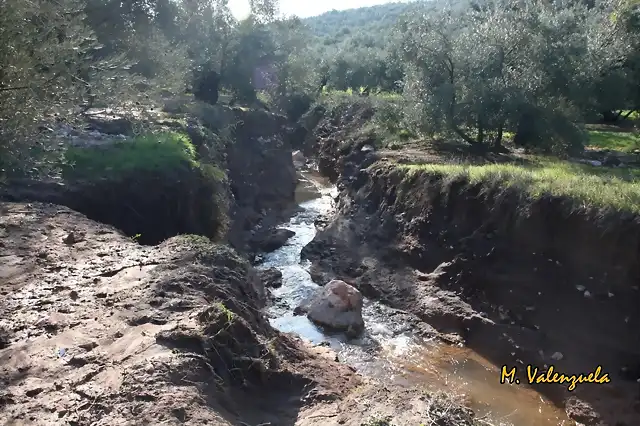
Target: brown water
{"x": 388, "y": 351}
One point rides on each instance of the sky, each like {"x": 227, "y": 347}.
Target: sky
{"x": 305, "y": 8}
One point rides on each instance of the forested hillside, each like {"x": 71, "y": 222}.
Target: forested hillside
{"x": 495, "y": 66}
{"x": 375, "y": 21}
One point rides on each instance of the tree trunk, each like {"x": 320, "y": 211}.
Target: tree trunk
{"x": 497, "y": 142}
{"x": 458, "y": 131}
{"x": 610, "y": 116}
{"x": 526, "y": 129}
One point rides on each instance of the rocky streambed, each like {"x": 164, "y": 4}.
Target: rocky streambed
{"x": 396, "y": 348}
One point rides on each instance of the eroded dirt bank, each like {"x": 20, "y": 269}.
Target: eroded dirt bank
{"x": 536, "y": 285}
{"x": 100, "y": 330}
{"x": 245, "y": 177}
{"x": 96, "y": 329}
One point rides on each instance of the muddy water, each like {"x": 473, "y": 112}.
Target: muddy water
{"x": 388, "y": 351}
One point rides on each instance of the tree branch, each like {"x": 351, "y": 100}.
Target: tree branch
{"x": 7, "y": 89}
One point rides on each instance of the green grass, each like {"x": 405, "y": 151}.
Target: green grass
{"x": 150, "y": 152}
{"x": 634, "y": 115}
{"x": 349, "y": 93}
{"x": 588, "y": 186}
{"x": 616, "y": 141}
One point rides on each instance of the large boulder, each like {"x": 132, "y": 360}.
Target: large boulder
{"x": 272, "y": 278}
{"x": 299, "y": 160}
{"x": 272, "y": 240}
{"x": 338, "y": 306}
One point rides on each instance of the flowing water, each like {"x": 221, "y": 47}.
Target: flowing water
{"x": 388, "y": 351}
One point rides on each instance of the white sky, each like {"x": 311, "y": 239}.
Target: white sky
{"x": 305, "y": 8}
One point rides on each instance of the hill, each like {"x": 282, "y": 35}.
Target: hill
{"x": 339, "y": 25}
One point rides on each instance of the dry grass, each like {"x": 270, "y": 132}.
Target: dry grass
{"x": 589, "y": 187}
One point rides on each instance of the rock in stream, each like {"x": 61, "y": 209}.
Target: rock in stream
{"x": 337, "y": 306}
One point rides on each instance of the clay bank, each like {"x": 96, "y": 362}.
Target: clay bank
{"x": 395, "y": 347}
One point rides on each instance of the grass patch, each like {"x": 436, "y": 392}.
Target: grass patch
{"x": 153, "y": 152}
{"x": 632, "y": 115}
{"x": 375, "y": 94}
{"x": 150, "y": 152}
{"x": 589, "y": 187}
{"x": 617, "y": 141}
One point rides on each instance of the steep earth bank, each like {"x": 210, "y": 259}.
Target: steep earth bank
{"x": 521, "y": 283}
{"x": 245, "y": 177}
{"x": 97, "y": 329}
{"x": 261, "y": 176}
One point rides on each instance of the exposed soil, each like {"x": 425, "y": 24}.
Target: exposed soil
{"x": 100, "y": 330}
{"x": 262, "y": 178}
{"x": 258, "y": 188}
{"x": 520, "y": 286}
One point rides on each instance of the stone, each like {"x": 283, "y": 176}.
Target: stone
{"x": 299, "y": 159}
{"x": 111, "y": 124}
{"x": 338, "y": 306}
{"x": 274, "y": 239}
{"x": 272, "y": 278}
{"x": 557, "y": 356}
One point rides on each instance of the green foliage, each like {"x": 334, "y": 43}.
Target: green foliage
{"x": 229, "y": 315}
{"x": 535, "y": 69}
{"x": 356, "y": 48}
{"x": 589, "y": 187}
{"x": 489, "y": 69}
{"x": 51, "y": 66}
{"x": 379, "y": 421}
{"x": 160, "y": 152}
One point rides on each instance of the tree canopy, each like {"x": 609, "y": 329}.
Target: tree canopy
{"x": 476, "y": 69}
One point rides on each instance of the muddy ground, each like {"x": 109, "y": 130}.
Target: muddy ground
{"x": 97, "y": 329}
{"x": 519, "y": 286}
{"x": 100, "y": 330}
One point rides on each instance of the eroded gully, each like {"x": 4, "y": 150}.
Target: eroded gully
{"x": 388, "y": 351}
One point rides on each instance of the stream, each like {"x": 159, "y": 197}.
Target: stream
{"x": 388, "y": 351}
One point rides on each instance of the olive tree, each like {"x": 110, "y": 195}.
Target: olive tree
{"x": 47, "y": 69}
{"x": 526, "y": 67}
